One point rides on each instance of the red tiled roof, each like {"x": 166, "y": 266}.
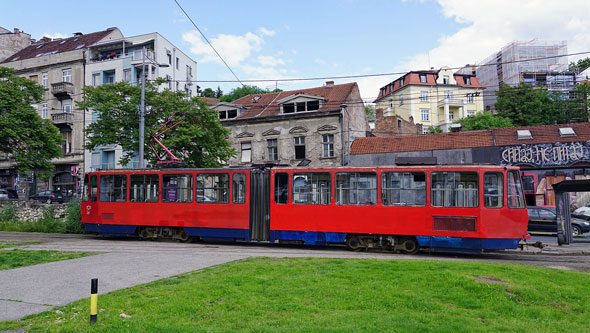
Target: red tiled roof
{"x": 471, "y": 139}
{"x": 210, "y": 100}
{"x": 413, "y": 78}
{"x": 267, "y": 104}
{"x": 56, "y": 46}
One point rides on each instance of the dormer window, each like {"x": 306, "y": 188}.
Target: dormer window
{"x": 446, "y": 79}
{"x": 301, "y": 106}
{"x": 401, "y": 82}
{"x": 566, "y": 132}
{"x": 524, "y": 134}
{"x": 228, "y": 114}
{"x": 422, "y": 78}
{"x": 467, "y": 81}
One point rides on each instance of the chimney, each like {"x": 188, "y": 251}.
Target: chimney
{"x": 329, "y": 83}
{"x": 45, "y": 39}
{"x": 76, "y": 34}
{"x": 16, "y": 31}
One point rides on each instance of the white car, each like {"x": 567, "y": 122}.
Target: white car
{"x": 582, "y": 213}
{"x": 3, "y": 194}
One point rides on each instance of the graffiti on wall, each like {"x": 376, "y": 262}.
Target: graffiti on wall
{"x": 550, "y": 154}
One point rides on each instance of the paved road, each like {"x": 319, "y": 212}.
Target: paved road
{"x": 123, "y": 263}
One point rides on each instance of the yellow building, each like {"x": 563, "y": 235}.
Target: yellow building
{"x": 434, "y": 98}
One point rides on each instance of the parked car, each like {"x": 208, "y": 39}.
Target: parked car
{"x": 582, "y": 213}
{"x": 544, "y": 219}
{"x": 3, "y": 194}
{"x": 49, "y": 197}
{"x": 8, "y": 194}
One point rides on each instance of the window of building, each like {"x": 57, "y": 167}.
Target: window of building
{"x": 177, "y": 188}
{"x": 144, "y": 188}
{"x": 312, "y": 188}
{"x": 451, "y": 115}
{"x": 424, "y": 96}
{"x": 403, "y": 188}
{"x": 470, "y": 98}
{"x": 301, "y": 106}
{"x": 468, "y": 81}
{"x": 127, "y": 75}
{"x": 212, "y": 188}
{"x": 448, "y": 94}
{"x": 239, "y": 188}
{"x": 66, "y": 106}
{"x": 281, "y": 188}
{"x": 399, "y": 124}
{"x": 493, "y": 189}
{"x": 424, "y": 114}
{"x": 289, "y": 108}
{"x": 113, "y": 188}
{"x": 109, "y": 77}
{"x": 401, "y": 99}
{"x": 107, "y": 159}
{"x": 356, "y": 188}
{"x": 246, "y": 148}
{"x": 401, "y": 82}
{"x": 177, "y": 85}
{"x": 66, "y": 75}
{"x": 44, "y": 114}
{"x": 96, "y": 80}
{"x": 454, "y": 189}
{"x": 422, "y": 78}
{"x": 515, "y": 195}
{"x": 169, "y": 59}
{"x": 177, "y": 63}
{"x": 470, "y": 113}
{"x": 328, "y": 145}
{"x": 45, "y": 79}
{"x": 273, "y": 149}
{"x": 299, "y": 148}
{"x": 446, "y": 79}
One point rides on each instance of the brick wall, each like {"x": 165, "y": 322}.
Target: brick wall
{"x": 394, "y": 125}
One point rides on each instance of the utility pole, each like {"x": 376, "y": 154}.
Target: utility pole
{"x": 142, "y": 110}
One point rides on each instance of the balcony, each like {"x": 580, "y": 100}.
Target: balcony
{"x": 451, "y": 102}
{"x": 62, "y": 90}
{"x": 63, "y": 118}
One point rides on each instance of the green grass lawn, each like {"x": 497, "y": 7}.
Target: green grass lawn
{"x": 312, "y": 294}
{"x": 13, "y": 258}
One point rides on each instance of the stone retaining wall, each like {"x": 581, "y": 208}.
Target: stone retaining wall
{"x": 30, "y": 210}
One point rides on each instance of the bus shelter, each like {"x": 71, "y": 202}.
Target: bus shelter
{"x": 562, "y": 204}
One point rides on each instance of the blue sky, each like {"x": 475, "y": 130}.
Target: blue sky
{"x": 298, "y": 39}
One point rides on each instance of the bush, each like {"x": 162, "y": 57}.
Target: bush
{"x": 48, "y": 222}
{"x": 73, "y": 223}
{"x": 8, "y": 213}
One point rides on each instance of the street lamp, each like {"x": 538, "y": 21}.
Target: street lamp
{"x": 142, "y": 107}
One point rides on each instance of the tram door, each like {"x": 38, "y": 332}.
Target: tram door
{"x": 260, "y": 205}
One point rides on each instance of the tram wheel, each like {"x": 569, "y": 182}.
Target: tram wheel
{"x": 354, "y": 244}
{"x": 183, "y": 237}
{"x": 143, "y": 235}
{"x": 410, "y": 246}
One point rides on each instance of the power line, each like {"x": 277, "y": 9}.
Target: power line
{"x": 199, "y": 30}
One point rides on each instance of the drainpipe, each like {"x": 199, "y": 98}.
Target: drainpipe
{"x": 174, "y": 63}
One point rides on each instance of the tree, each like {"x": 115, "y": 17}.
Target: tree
{"x": 580, "y": 66}
{"x": 434, "y": 130}
{"x": 484, "y": 120}
{"x": 219, "y": 92}
{"x": 243, "y": 91}
{"x": 370, "y": 111}
{"x": 208, "y": 92}
{"x": 525, "y": 105}
{"x": 199, "y": 141}
{"x": 27, "y": 138}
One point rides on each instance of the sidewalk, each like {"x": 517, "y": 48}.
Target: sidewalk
{"x": 580, "y": 247}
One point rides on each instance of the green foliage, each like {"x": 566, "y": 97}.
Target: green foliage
{"x": 580, "y": 66}
{"x": 73, "y": 220}
{"x": 200, "y": 141}
{"x": 30, "y": 140}
{"x": 208, "y": 92}
{"x": 8, "y": 213}
{"x": 340, "y": 295}
{"x": 244, "y": 91}
{"x": 370, "y": 111}
{"x": 434, "y": 130}
{"x": 484, "y": 120}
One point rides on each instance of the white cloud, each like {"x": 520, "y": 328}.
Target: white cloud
{"x": 492, "y": 24}
{"x": 269, "y": 61}
{"x": 56, "y": 35}
{"x": 233, "y": 48}
{"x": 267, "y": 32}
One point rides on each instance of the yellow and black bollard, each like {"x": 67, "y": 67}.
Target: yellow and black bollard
{"x": 93, "y": 300}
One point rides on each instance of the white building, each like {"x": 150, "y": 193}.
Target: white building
{"x": 124, "y": 60}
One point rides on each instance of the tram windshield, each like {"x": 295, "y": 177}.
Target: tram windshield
{"x": 515, "y": 194}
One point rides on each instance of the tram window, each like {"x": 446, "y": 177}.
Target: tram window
{"x": 515, "y": 195}
{"x": 113, "y": 188}
{"x": 177, "y": 188}
{"x": 403, "y": 188}
{"x": 85, "y": 188}
{"x": 239, "y": 188}
{"x": 93, "y": 188}
{"x": 281, "y": 188}
{"x": 454, "y": 189}
{"x": 212, "y": 188}
{"x": 493, "y": 189}
{"x": 144, "y": 188}
{"x": 356, "y": 188}
{"x": 312, "y": 188}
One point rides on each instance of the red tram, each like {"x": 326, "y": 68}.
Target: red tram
{"x": 465, "y": 208}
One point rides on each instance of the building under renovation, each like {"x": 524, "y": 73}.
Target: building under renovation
{"x": 539, "y": 63}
